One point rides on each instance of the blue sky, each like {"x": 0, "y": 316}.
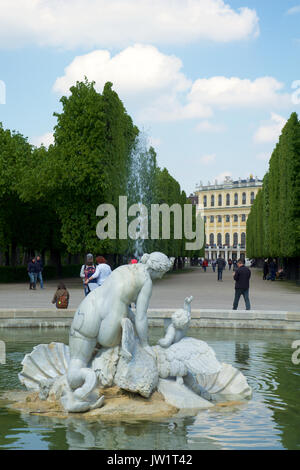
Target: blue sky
{"x": 209, "y": 81}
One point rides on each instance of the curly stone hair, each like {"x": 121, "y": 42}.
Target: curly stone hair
{"x": 157, "y": 261}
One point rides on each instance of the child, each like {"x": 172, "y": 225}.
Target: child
{"x": 61, "y": 296}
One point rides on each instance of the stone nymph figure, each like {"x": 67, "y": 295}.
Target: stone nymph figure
{"x": 182, "y": 368}
{"x": 98, "y": 319}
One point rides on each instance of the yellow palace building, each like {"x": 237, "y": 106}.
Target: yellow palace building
{"x": 225, "y": 208}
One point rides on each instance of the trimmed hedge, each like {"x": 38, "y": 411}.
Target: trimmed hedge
{"x": 19, "y": 273}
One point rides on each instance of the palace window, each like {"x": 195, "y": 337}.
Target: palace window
{"x": 235, "y": 218}
{"x": 219, "y": 239}
{"x": 236, "y": 199}
{"x": 227, "y": 218}
{"x": 220, "y": 200}
{"x": 235, "y": 239}
{"x": 244, "y": 198}
{"x": 212, "y": 201}
{"x": 252, "y": 197}
{"x": 205, "y": 201}
{"x": 219, "y": 219}
{"x": 243, "y": 217}
{"x": 227, "y": 239}
{"x": 212, "y": 219}
{"x": 205, "y": 219}
{"x": 243, "y": 239}
{"x": 227, "y": 199}
{"x": 211, "y": 239}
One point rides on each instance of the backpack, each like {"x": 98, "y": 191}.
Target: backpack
{"x": 62, "y": 301}
{"x": 89, "y": 271}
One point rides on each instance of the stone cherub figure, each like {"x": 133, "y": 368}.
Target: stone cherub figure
{"x": 98, "y": 321}
{"x": 180, "y": 323}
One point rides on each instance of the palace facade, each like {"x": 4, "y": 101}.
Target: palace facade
{"x": 225, "y": 208}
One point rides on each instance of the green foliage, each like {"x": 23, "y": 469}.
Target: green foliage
{"x": 49, "y": 197}
{"x": 273, "y": 227}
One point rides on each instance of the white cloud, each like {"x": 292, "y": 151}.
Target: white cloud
{"x": 115, "y": 23}
{"x": 136, "y": 69}
{"x": 270, "y": 131}
{"x": 208, "y": 159}
{"x": 223, "y": 92}
{"x": 45, "y": 139}
{"x": 155, "y": 84}
{"x": 209, "y": 127}
{"x": 293, "y": 10}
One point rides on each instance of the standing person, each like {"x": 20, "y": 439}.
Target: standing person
{"x": 103, "y": 270}
{"x": 214, "y": 263}
{"x": 273, "y": 269}
{"x": 61, "y": 296}
{"x": 221, "y": 265}
{"x": 204, "y": 265}
{"x": 87, "y": 270}
{"x": 242, "y": 278}
{"x": 39, "y": 269}
{"x": 229, "y": 264}
{"x": 32, "y": 273}
{"x": 265, "y": 269}
{"x": 234, "y": 263}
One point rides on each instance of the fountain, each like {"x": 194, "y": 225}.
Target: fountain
{"x": 140, "y": 188}
{"x": 109, "y": 368}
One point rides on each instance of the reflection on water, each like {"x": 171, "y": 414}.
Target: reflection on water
{"x": 270, "y": 420}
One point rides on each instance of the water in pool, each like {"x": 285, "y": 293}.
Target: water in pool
{"x": 270, "y": 420}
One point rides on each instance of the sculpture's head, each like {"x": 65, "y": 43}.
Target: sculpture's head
{"x": 181, "y": 319}
{"x": 157, "y": 264}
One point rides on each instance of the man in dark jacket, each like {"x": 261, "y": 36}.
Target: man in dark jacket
{"x": 32, "y": 273}
{"x": 39, "y": 270}
{"x": 242, "y": 278}
{"x": 221, "y": 263}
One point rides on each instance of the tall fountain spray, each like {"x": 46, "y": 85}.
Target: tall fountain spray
{"x": 141, "y": 190}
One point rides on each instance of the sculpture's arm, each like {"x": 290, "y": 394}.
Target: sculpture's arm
{"x": 141, "y": 321}
{"x": 168, "y": 338}
{"x": 187, "y": 303}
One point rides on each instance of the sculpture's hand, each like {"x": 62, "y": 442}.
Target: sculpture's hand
{"x": 187, "y": 303}
{"x": 164, "y": 343}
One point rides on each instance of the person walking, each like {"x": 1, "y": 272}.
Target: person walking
{"x": 242, "y": 281}
{"x": 87, "y": 270}
{"x": 39, "y": 270}
{"x": 229, "y": 264}
{"x": 220, "y": 265}
{"x": 32, "y": 273}
{"x": 234, "y": 264}
{"x": 204, "y": 265}
{"x": 213, "y": 264}
{"x": 103, "y": 270}
{"x": 265, "y": 269}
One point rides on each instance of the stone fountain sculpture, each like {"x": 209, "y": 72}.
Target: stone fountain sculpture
{"x": 108, "y": 345}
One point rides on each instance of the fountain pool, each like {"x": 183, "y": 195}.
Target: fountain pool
{"x": 270, "y": 420}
